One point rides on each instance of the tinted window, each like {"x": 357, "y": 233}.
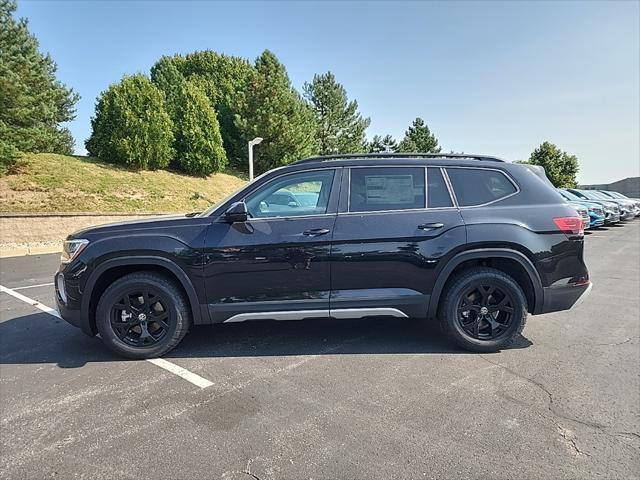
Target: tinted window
{"x": 437, "y": 192}
{"x": 475, "y": 186}
{"x": 305, "y": 193}
{"x": 386, "y": 188}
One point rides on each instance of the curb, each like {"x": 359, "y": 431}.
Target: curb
{"x": 35, "y": 250}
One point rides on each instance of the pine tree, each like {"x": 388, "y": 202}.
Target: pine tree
{"x": 198, "y": 142}
{"x": 224, "y": 79}
{"x": 341, "y": 128}
{"x": 272, "y": 109}
{"x": 384, "y": 144}
{"x": 131, "y": 126}
{"x": 166, "y": 76}
{"x": 418, "y": 138}
{"x": 33, "y": 103}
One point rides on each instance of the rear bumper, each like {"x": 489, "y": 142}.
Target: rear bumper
{"x": 559, "y": 298}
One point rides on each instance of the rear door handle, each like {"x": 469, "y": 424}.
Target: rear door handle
{"x": 314, "y": 232}
{"x": 430, "y": 226}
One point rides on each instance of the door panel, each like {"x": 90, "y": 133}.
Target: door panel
{"x": 272, "y": 264}
{"x": 389, "y": 258}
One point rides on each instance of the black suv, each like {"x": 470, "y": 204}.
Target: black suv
{"x": 471, "y": 240}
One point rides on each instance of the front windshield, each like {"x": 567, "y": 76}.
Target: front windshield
{"x": 592, "y": 195}
{"x": 569, "y": 196}
{"x": 209, "y": 210}
{"x": 617, "y": 195}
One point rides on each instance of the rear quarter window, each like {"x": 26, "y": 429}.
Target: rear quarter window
{"x": 477, "y": 186}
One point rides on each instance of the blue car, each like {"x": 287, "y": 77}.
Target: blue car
{"x": 597, "y": 214}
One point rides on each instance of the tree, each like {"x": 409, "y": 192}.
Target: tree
{"x": 198, "y": 142}
{"x": 131, "y": 126}
{"x": 560, "y": 167}
{"x": 341, "y": 129}
{"x": 197, "y": 139}
{"x": 224, "y": 79}
{"x": 380, "y": 144}
{"x": 272, "y": 109}
{"x": 418, "y": 138}
{"x": 166, "y": 76}
{"x": 33, "y": 103}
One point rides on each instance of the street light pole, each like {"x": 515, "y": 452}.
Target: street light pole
{"x": 253, "y": 142}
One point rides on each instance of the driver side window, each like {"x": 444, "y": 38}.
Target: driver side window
{"x": 294, "y": 195}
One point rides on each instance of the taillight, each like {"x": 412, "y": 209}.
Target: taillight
{"x": 570, "y": 225}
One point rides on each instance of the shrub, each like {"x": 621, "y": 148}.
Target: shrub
{"x": 131, "y": 126}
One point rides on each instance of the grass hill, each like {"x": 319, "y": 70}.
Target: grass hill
{"x": 47, "y": 183}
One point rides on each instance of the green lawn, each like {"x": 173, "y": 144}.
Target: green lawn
{"x": 59, "y": 183}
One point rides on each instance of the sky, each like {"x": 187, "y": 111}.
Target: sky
{"x": 496, "y": 78}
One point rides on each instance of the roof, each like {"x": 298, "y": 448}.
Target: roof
{"x": 399, "y": 156}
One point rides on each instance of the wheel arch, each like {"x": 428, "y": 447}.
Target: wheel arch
{"x": 110, "y": 270}
{"x": 512, "y": 262}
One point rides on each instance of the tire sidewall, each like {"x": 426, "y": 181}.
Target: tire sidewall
{"x": 451, "y": 315}
{"x": 173, "y": 302}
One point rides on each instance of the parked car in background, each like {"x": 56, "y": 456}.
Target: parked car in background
{"x": 611, "y": 208}
{"x": 627, "y": 208}
{"x": 620, "y": 196}
{"x": 473, "y": 241}
{"x": 583, "y": 212}
{"x": 597, "y": 211}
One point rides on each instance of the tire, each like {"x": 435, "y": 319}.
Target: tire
{"x": 464, "y": 304}
{"x": 143, "y": 315}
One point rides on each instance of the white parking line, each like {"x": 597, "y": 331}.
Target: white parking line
{"x": 30, "y": 301}
{"x": 183, "y": 373}
{"x": 33, "y": 286}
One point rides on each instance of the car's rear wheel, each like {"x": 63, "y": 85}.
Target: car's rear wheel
{"x": 143, "y": 315}
{"x": 484, "y": 310}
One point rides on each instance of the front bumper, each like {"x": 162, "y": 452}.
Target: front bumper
{"x": 559, "y": 298}
{"x": 69, "y": 309}
{"x": 612, "y": 218}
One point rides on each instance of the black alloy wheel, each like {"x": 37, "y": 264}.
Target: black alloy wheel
{"x": 140, "y": 318}
{"x": 143, "y": 315}
{"x": 485, "y": 310}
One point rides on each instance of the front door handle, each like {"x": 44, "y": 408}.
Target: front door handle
{"x": 314, "y": 232}
{"x": 430, "y": 226}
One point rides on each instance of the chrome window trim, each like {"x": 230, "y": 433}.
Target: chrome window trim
{"x": 259, "y": 219}
{"x": 508, "y": 177}
{"x": 447, "y": 180}
{"x": 454, "y": 204}
{"x": 348, "y": 212}
{"x": 426, "y": 192}
{"x": 334, "y": 169}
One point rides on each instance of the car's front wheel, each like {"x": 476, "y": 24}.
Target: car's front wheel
{"x": 484, "y": 310}
{"x": 143, "y": 315}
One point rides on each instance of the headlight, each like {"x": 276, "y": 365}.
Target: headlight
{"x": 72, "y": 248}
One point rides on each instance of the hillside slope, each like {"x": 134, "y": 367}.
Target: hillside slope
{"x": 47, "y": 183}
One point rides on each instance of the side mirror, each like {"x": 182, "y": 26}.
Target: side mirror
{"x": 236, "y": 213}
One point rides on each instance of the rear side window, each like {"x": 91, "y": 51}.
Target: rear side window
{"x": 437, "y": 192}
{"x": 476, "y": 186}
{"x": 386, "y": 188}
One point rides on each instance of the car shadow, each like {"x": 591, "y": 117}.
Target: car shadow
{"x": 37, "y": 338}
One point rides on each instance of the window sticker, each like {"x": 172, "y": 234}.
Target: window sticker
{"x": 386, "y": 189}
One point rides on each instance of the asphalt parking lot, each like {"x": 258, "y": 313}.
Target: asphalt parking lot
{"x": 382, "y": 398}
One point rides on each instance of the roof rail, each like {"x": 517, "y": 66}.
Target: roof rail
{"x": 364, "y": 156}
